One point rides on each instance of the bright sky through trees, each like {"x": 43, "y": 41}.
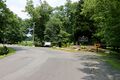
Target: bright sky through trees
{"x": 17, "y": 6}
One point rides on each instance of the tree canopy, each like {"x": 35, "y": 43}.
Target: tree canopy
{"x": 98, "y": 20}
{"x": 106, "y": 14}
{"x": 10, "y": 25}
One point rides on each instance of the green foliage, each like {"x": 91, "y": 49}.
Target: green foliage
{"x": 54, "y": 31}
{"x": 10, "y": 29}
{"x": 106, "y": 14}
{"x": 30, "y": 8}
{"x": 11, "y": 51}
{"x": 113, "y": 59}
{"x": 66, "y": 23}
{"x": 61, "y": 24}
{"x": 53, "y": 28}
{"x": 14, "y": 33}
{"x": 26, "y": 43}
{"x": 84, "y": 26}
{"x": 4, "y": 50}
{"x": 39, "y": 16}
{"x": 64, "y": 36}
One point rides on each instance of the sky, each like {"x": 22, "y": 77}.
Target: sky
{"x": 17, "y": 6}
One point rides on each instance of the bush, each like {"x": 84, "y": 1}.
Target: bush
{"x": 4, "y": 50}
{"x": 26, "y": 43}
{"x": 54, "y": 44}
{"x": 39, "y": 44}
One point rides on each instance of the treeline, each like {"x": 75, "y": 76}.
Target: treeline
{"x": 60, "y": 25}
{"x": 85, "y": 21}
{"x": 11, "y": 26}
{"x": 96, "y": 20}
{"x": 106, "y": 14}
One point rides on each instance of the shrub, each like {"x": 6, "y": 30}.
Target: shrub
{"x": 38, "y": 44}
{"x": 4, "y": 50}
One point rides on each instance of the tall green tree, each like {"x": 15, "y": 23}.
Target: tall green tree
{"x": 3, "y": 10}
{"x": 106, "y": 14}
{"x": 66, "y": 14}
{"x": 83, "y": 25}
{"x": 53, "y": 28}
{"x": 10, "y": 26}
{"x": 39, "y": 15}
{"x": 54, "y": 31}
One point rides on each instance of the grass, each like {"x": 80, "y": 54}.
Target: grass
{"x": 111, "y": 59}
{"x": 114, "y": 63}
{"x": 11, "y": 51}
{"x": 26, "y": 43}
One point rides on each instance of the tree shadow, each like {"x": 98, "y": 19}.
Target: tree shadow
{"x": 96, "y": 69}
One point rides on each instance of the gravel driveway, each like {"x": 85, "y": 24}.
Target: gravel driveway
{"x": 31, "y": 63}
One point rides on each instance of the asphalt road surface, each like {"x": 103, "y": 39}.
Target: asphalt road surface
{"x": 47, "y": 64}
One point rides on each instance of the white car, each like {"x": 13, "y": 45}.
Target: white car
{"x": 47, "y": 44}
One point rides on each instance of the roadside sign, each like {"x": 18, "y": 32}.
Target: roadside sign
{"x": 83, "y": 39}
{"x": 97, "y": 45}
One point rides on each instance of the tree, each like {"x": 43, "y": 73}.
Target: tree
{"x": 3, "y": 10}
{"x": 10, "y": 29}
{"x": 83, "y": 25}
{"x": 39, "y": 15}
{"x": 106, "y": 14}
{"x": 66, "y": 14}
{"x": 14, "y": 31}
{"x": 54, "y": 31}
{"x": 73, "y": 23}
{"x": 53, "y": 28}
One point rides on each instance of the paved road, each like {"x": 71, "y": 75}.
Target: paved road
{"x": 46, "y": 64}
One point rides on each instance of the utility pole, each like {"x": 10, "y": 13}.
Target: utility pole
{"x": 33, "y": 33}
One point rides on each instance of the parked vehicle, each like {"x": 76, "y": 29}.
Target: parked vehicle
{"x": 47, "y": 44}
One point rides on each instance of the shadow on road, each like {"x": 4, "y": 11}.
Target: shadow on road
{"x": 96, "y": 69}
{"x": 18, "y": 48}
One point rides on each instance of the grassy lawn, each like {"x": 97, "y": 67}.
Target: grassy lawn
{"x": 11, "y": 51}
{"x": 111, "y": 59}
